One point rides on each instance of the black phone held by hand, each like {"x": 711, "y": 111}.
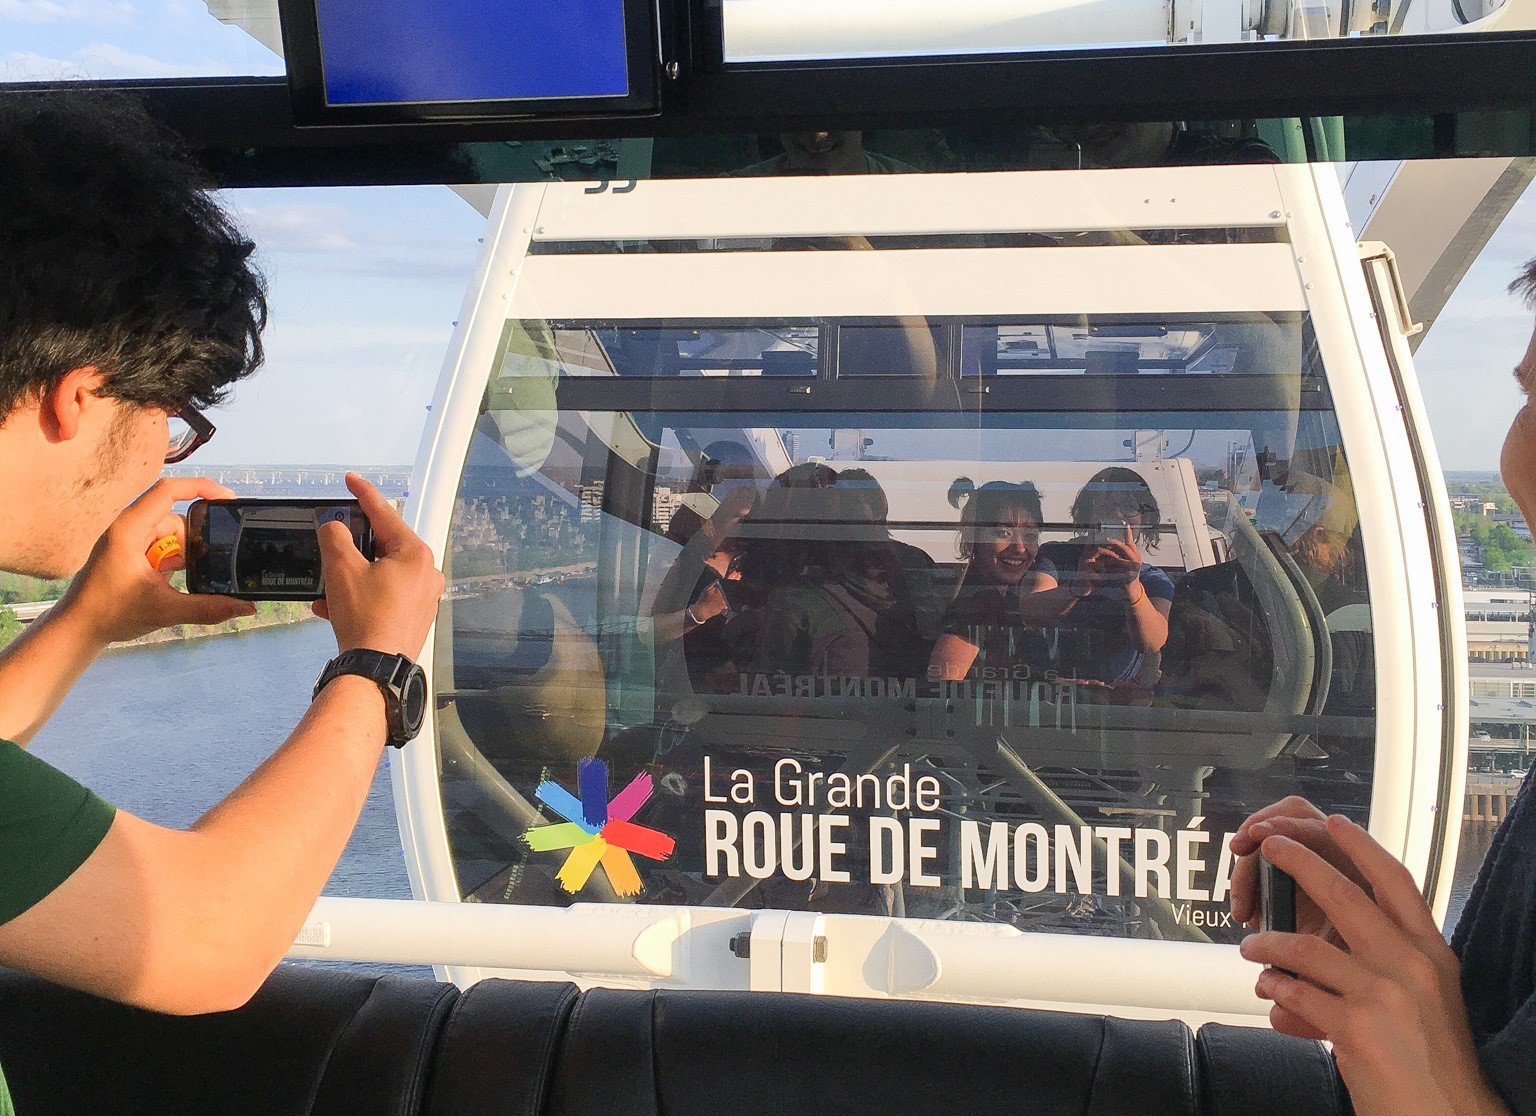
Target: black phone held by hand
{"x": 1277, "y": 899}
{"x": 266, "y": 550}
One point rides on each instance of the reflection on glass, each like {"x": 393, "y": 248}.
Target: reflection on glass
{"x": 708, "y": 350}
{"x": 1057, "y": 634}
{"x": 786, "y": 30}
{"x": 1099, "y": 347}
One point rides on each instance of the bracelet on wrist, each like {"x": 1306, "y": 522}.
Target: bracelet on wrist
{"x": 692, "y": 619}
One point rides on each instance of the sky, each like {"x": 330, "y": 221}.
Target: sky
{"x": 42, "y": 40}
{"x": 1466, "y": 357}
{"x": 364, "y": 285}
{"x": 366, "y": 282}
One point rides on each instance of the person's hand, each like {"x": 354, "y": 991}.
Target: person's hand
{"x": 119, "y": 596}
{"x": 1298, "y": 820}
{"x": 1115, "y": 561}
{"x": 710, "y": 603}
{"x": 386, "y": 605}
{"x": 1387, "y": 995}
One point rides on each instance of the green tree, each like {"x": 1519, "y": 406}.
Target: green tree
{"x": 10, "y": 627}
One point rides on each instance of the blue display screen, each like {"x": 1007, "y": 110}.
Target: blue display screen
{"x": 412, "y": 51}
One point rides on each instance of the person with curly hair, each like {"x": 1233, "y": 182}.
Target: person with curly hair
{"x": 127, "y": 300}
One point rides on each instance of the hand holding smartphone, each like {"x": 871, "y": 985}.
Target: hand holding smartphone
{"x": 266, "y": 550}
{"x": 1277, "y": 898}
{"x": 1277, "y": 901}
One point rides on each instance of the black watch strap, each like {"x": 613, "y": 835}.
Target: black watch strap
{"x": 400, "y": 680}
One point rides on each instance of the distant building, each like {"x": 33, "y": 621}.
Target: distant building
{"x": 664, "y": 505}
{"x": 1505, "y": 681}
{"x": 591, "y": 496}
{"x": 1473, "y": 503}
{"x": 1498, "y": 625}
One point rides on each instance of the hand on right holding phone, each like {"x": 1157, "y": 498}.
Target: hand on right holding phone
{"x": 386, "y": 605}
{"x": 1369, "y": 970}
{"x": 1300, "y": 821}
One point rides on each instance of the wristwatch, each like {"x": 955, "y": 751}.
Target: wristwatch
{"x": 403, "y": 683}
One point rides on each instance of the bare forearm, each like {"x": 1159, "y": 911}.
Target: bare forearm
{"x": 193, "y": 921}
{"x": 39, "y": 669}
{"x": 1145, "y": 623}
{"x": 952, "y": 658}
{"x": 271, "y": 845}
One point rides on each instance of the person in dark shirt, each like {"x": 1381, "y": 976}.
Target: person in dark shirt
{"x": 995, "y": 628}
{"x": 847, "y": 612}
{"x": 1115, "y": 632}
{"x": 127, "y": 300}
{"x": 1417, "y": 1025}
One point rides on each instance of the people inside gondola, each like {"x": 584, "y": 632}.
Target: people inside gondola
{"x": 842, "y": 607}
{"x": 989, "y": 633}
{"x": 917, "y": 577}
{"x": 1325, "y": 545}
{"x": 1120, "y": 622}
{"x": 1220, "y": 648}
{"x": 714, "y": 621}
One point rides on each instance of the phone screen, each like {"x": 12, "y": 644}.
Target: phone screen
{"x": 266, "y": 550}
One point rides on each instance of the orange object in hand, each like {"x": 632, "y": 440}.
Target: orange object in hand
{"x": 162, "y": 548}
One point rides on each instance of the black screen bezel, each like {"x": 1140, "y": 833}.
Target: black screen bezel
{"x": 306, "y": 81}
{"x": 197, "y": 523}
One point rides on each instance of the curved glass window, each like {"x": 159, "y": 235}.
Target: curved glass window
{"x": 1020, "y": 646}
{"x": 98, "y": 40}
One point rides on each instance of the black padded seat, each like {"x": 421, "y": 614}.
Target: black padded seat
{"x": 497, "y": 1053}
{"x": 310, "y": 1041}
{"x": 712, "y": 1052}
{"x": 323, "y": 1041}
{"x": 1247, "y": 1071}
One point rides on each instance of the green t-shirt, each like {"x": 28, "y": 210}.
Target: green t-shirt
{"x": 49, "y": 825}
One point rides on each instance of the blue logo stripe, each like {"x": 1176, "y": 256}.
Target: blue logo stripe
{"x": 564, "y": 803}
{"x": 592, "y": 777}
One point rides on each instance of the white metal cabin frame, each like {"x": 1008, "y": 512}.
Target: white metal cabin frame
{"x": 1414, "y": 808}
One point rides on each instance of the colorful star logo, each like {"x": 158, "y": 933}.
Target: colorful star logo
{"x": 597, "y": 829}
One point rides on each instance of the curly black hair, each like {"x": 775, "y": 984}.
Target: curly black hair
{"x": 1525, "y": 284}
{"x": 114, "y": 256}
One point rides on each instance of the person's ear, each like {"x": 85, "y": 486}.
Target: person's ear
{"x": 62, "y": 407}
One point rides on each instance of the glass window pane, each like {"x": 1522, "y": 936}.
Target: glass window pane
{"x": 1248, "y": 344}
{"x": 46, "y": 40}
{"x": 784, "y": 30}
{"x": 645, "y": 351}
{"x": 915, "y": 348}
{"x": 899, "y": 616}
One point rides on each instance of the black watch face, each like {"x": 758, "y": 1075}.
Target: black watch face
{"x": 413, "y": 702}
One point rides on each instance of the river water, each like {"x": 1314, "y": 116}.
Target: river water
{"x": 167, "y": 731}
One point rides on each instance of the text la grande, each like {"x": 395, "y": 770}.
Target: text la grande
{"x": 794, "y": 786}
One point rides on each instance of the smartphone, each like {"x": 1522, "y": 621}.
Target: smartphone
{"x": 1277, "y": 899}
{"x": 266, "y": 550}
{"x": 1108, "y": 532}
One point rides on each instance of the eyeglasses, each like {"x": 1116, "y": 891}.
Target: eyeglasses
{"x": 188, "y": 430}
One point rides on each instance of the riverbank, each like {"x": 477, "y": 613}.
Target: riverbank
{"x": 269, "y": 614}
{"x": 293, "y": 613}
